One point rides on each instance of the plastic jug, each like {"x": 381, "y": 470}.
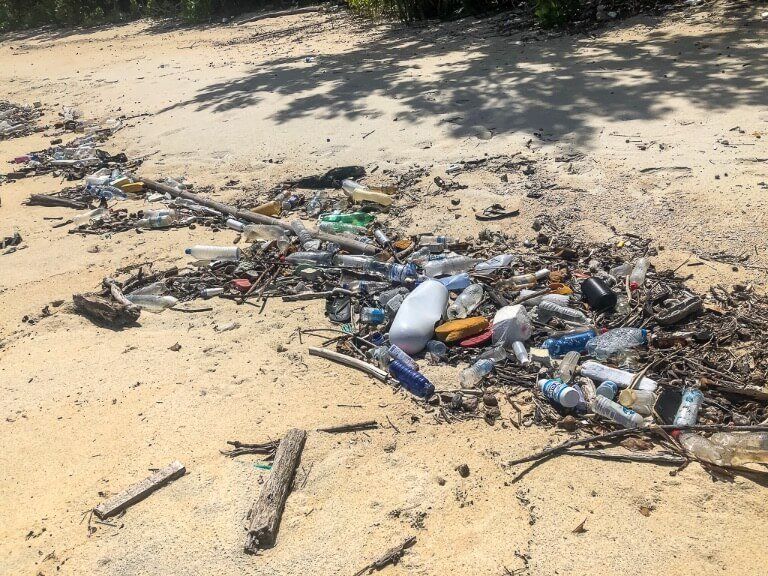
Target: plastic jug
{"x": 414, "y": 324}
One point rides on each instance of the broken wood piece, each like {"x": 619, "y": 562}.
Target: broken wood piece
{"x": 391, "y": 556}
{"x": 369, "y": 369}
{"x": 268, "y": 509}
{"x": 139, "y": 491}
{"x": 358, "y": 427}
{"x": 240, "y": 448}
{"x": 106, "y": 310}
{"x": 670, "y": 459}
{"x": 46, "y": 200}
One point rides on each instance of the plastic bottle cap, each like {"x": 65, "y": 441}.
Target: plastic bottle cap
{"x": 568, "y": 397}
{"x": 188, "y": 251}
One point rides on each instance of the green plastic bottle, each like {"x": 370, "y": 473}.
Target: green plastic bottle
{"x": 354, "y": 218}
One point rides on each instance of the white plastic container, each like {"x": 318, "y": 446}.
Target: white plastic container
{"x": 511, "y": 324}
{"x": 600, "y": 373}
{"x": 202, "y": 252}
{"x": 414, "y": 324}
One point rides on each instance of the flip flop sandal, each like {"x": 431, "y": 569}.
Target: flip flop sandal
{"x": 496, "y": 212}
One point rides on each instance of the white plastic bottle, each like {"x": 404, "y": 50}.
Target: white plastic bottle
{"x": 616, "y": 412}
{"x": 202, "y": 252}
{"x": 559, "y": 392}
{"x": 414, "y": 324}
{"x": 600, "y": 372}
{"x": 521, "y": 353}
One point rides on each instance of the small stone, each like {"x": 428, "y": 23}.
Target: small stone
{"x": 469, "y": 404}
{"x": 441, "y": 481}
{"x": 490, "y": 400}
{"x": 175, "y": 348}
{"x": 568, "y": 423}
{"x": 463, "y": 470}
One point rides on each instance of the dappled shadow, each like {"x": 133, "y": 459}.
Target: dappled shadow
{"x": 553, "y": 85}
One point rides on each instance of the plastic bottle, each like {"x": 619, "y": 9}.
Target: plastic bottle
{"x": 722, "y": 451}
{"x": 521, "y": 353}
{"x": 616, "y": 341}
{"x": 262, "y": 232}
{"x": 388, "y": 295}
{"x": 356, "y": 218}
{"x": 559, "y": 392}
{"x": 317, "y": 204}
{"x": 154, "y": 288}
{"x": 574, "y": 342}
{"x": 529, "y": 279}
{"x": 158, "y": 221}
{"x": 449, "y": 266}
{"x": 311, "y": 258}
{"x": 202, "y": 252}
{"x": 641, "y": 401}
{"x": 741, "y": 440}
{"x": 305, "y": 238}
{"x": 397, "y": 354}
{"x": 381, "y": 238}
{"x": 394, "y": 304}
{"x": 211, "y": 292}
{"x": 359, "y": 192}
{"x": 550, "y": 309}
{"x": 471, "y": 376}
{"x": 235, "y": 225}
{"x": 415, "y": 382}
{"x": 402, "y": 273}
{"x": 496, "y": 263}
{"x": 438, "y": 349}
{"x": 436, "y": 243}
{"x": 607, "y": 389}
{"x": 414, "y": 324}
{"x": 341, "y": 228}
{"x": 559, "y": 299}
{"x": 637, "y": 276}
{"x": 457, "y": 282}
{"x": 622, "y": 416}
{"x": 621, "y": 270}
{"x": 587, "y": 389}
{"x": 272, "y": 208}
{"x": 91, "y": 215}
{"x": 511, "y": 324}
{"x": 600, "y": 373}
{"x": 466, "y": 302}
{"x": 688, "y": 411}
{"x": 370, "y": 315}
{"x": 567, "y": 366}
{"x": 152, "y": 302}
{"x": 292, "y": 202}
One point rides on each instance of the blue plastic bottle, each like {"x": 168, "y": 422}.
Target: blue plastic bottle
{"x": 415, "y": 383}
{"x": 457, "y": 282}
{"x": 559, "y": 347}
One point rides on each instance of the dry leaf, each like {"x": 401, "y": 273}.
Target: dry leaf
{"x": 580, "y": 528}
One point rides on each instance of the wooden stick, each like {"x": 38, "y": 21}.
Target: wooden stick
{"x": 45, "y": 200}
{"x": 670, "y": 459}
{"x": 268, "y": 509}
{"x": 358, "y": 427}
{"x": 369, "y": 369}
{"x": 560, "y": 448}
{"x": 139, "y": 491}
{"x": 240, "y": 448}
{"x": 391, "y": 556}
{"x": 281, "y": 13}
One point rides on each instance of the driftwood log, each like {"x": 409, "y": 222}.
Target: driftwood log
{"x": 45, "y": 200}
{"x": 106, "y": 310}
{"x": 268, "y": 509}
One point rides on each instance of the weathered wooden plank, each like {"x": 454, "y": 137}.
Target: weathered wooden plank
{"x": 268, "y": 509}
{"x": 140, "y": 490}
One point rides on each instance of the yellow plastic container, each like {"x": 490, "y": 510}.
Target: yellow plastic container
{"x": 361, "y": 194}
{"x": 269, "y": 209}
{"x": 462, "y": 328}
{"x": 132, "y": 187}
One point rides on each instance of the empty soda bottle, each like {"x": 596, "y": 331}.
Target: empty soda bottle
{"x": 341, "y": 228}
{"x": 356, "y": 218}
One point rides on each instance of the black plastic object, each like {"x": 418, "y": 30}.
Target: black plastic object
{"x": 597, "y": 294}
{"x": 667, "y": 404}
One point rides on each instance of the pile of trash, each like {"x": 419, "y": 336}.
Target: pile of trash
{"x": 17, "y": 121}
{"x": 590, "y": 333}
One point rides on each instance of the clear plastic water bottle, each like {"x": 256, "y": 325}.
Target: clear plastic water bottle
{"x": 202, "y": 252}
{"x": 550, "y": 309}
{"x": 496, "y": 263}
{"x": 438, "y": 349}
{"x": 397, "y": 354}
{"x": 157, "y": 219}
{"x": 588, "y": 390}
{"x": 529, "y": 279}
{"x": 622, "y": 416}
{"x": 688, "y": 411}
{"x": 292, "y": 202}
{"x": 466, "y": 302}
{"x": 415, "y": 382}
{"x": 235, "y": 225}
{"x": 449, "y": 266}
{"x": 152, "y": 302}
{"x": 521, "y": 353}
{"x": 471, "y": 376}
{"x": 305, "y": 238}
{"x": 317, "y": 204}
{"x": 91, "y": 215}
{"x": 637, "y": 276}
{"x": 616, "y": 341}
{"x": 641, "y": 401}
{"x": 388, "y": 295}
{"x": 262, "y": 232}
{"x": 457, "y": 282}
{"x": 559, "y": 299}
{"x": 436, "y": 243}
{"x": 607, "y": 389}
{"x": 575, "y": 342}
{"x": 511, "y": 324}
{"x": 496, "y": 354}
{"x": 559, "y": 392}
{"x": 311, "y": 258}
{"x": 373, "y": 316}
{"x": 393, "y": 305}
{"x": 381, "y": 238}
{"x": 402, "y": 273}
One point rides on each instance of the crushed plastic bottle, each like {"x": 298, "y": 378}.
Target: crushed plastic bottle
{"x": 496, "y": 263}
{"x": 305, "y": 238}
{"x": 202, "y": 252}
{"x": 559, "y": 299}
{"x": 318, "y": 204}
{"x": 311, "y": 258}
{"x": 726, "y": 448}
{"x": 263, "y": 232}
{"x": 622, "y": 416}
{"x": 466, "y": 302}
{"x": 437, "y": 349}
{"x": 415, "y": 382}
{"x": 641, "y": 401}
{"x": 470, "y": 377}
{"x": 549, "y": 309}
{"x": 616, "y": 341}
{"x": 574, "y": 342}
{"x": 457, "y": 282}
{"x": 528, "y": 279}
